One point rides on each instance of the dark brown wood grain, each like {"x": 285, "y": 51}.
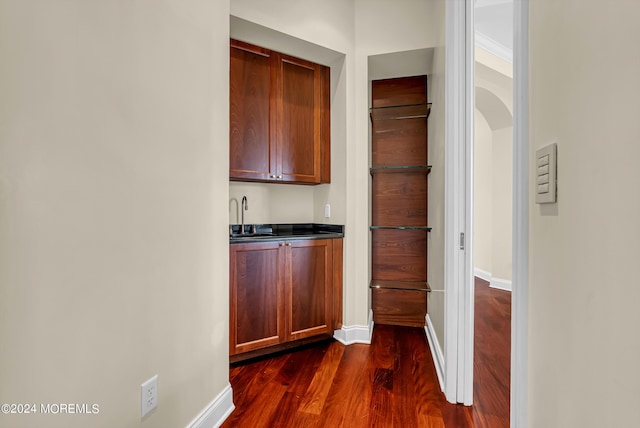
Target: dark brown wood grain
{"x": 251, "y": 112}
{"x": 338, "y": 286}
{"x": 390, "y": 383}
{"x": 325, "y": 125}
{"x": 265, "y": 381}
{"x": 313, "y": 399}
{"x": 492, "y": 347}
{"x": 284, "y": 346}
{"x": 399, "y": 91}
{"x": 255, "y": 296}
{"x": 283, "y": 294}
{"x": 399, "y": 255}
{"x": 297, "y": 383}
{"x": 308, "y": 289}
{"x": 280, "y": 117}
{"x": 299, "y": 111}
{"x": 348, "y": 401}
{"x": 399, "y": 199}
{"x": 399, "y": 307}
{"x": 392, "y": 144}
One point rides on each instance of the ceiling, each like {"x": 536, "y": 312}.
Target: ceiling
{"x": 494, "y": 27}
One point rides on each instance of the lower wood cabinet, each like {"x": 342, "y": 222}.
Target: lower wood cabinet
{"x": 283, "y": 292}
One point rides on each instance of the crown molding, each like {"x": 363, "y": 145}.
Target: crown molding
{"x": 490, "y": 45}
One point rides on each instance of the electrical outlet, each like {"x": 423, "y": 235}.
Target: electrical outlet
{"x": 148, "y": 396}
{"x": 327, "y": 211}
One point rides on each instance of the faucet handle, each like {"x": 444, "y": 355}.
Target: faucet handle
{"x": 253, "y": 228}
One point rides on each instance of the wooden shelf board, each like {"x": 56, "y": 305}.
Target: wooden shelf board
{"x": 424, "y": 228}
{"x": 400, "y": 285}
{"x": 395, "y": 169}
{"x": 410, "y": 111}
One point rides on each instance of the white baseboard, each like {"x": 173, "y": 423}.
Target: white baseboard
{"x": 482, "y": 274}
{"x": 498, "y": 283}
{"x": 501, "y": 284}
{"x": 436, "y": 351}
{"x": 350, "y": 334}
{"x": 216, "y": 412}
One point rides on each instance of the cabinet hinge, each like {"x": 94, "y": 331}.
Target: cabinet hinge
{"x": 462, "y": 240}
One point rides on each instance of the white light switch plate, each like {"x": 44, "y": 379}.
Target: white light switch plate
{"x": 546, "y": 174}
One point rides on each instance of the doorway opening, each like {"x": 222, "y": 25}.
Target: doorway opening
{"x": 492, "y": 207}
{"x": 459, "y": 303}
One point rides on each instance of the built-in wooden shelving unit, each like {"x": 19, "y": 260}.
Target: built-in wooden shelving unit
{"x": 399, "y": 173}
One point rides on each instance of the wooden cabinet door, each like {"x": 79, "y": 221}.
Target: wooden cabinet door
{"x": 280, "y": 121}
{"x": 255, "y": 296}
{"x": 252, "y": 156}
{"x": 299, "y": 109}
{"x": 308, "y": 288}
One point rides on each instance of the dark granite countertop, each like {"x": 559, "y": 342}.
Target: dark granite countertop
{"x": 279, "y": 232}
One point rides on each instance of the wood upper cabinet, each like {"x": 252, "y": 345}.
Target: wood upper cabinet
{"x": 279, "y": 117}
{"x": 283, "y": 291}
{"x": 251, "y": 113}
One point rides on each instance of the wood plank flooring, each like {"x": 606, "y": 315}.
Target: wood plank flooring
{"x": 390, "y": 383}
{"x": 492, "y": 358}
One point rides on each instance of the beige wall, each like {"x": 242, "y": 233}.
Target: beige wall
{"x": 493, "y": 62}
{"x": 271, "y": 203}
{"x": 113, "y": 160}
{"x": 493, "y": 184}
{"x": 483, "y": 195}
{"x": 502, "y": 165}
{"x": 493, "y": 149}
{"x": 583, "y": 292}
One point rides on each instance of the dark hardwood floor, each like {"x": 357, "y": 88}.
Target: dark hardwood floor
{"x": 390, "y": 383}
{"x": 492, "y": 358}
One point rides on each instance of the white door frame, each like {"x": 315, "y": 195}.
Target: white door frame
{"x": 458, "y": 270}
{"x": 458, "y": 340}
{"x": 520, "y": 293}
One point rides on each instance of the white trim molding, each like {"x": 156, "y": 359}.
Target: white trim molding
{"x": 500, "y": 284}
{"x": 497, "y": 283}
{"x": 490, "y": 45}
{"x": 436, "y": 350}
{"x": 519, "y": 298}
{"x": 216, "y": 412}
{"x": 458, "y": 260}
{"x": 482, "y": 274}
{"x": 348, "y": 335}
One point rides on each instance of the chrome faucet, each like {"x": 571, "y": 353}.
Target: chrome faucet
{"x": 244, "y": 207}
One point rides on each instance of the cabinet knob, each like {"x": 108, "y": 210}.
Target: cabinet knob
{"x": 288, "y": 244}
{"x": 272, "y": 176}
{"x": 279, "y": 176}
